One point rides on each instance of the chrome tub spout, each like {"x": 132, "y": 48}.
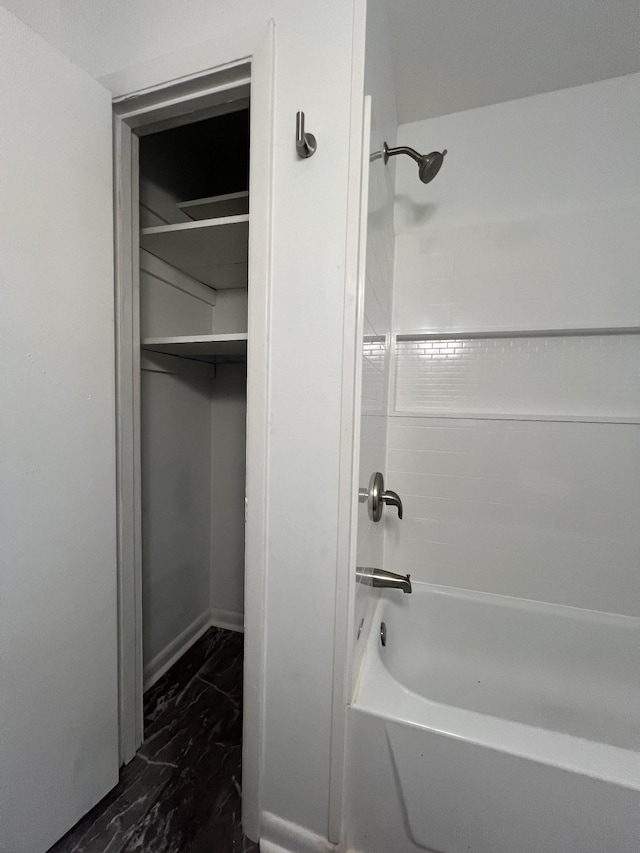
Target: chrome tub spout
{"x": 382, "y": 578}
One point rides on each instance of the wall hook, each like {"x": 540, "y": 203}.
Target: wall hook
{"x": 306, "y": 144}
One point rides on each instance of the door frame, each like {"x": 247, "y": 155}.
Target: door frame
{"x": 153, "y": 95}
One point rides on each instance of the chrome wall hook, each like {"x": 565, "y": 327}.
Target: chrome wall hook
{"x": 306, "y": 144}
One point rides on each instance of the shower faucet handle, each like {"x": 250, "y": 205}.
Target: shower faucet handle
{"x": 393, "y": 499}
{"x": 378, "y": 497}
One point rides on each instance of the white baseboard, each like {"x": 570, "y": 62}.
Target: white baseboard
{"x": 227, "y": 619}
{"x": 165, "y": 659}
{"x": 281, "y": 836}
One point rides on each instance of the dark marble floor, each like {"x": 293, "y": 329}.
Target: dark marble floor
{"x": 181, "y": 793}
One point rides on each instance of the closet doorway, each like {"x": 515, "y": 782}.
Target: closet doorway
{"x": 192, "y": 288}
{"x": 194, "y": 227}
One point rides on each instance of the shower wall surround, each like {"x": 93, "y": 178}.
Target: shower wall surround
{"x": 513, "y": 434}
{"x": 532, "y": 222}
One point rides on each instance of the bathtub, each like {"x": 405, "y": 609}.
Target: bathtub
{"x": 490, "y": 724}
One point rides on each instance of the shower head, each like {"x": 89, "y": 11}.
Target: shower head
{"x": 428, "y": 164}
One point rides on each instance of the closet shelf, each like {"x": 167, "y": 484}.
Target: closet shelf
{"x": 213, "y": 251}
{"x": 201, "y": 347}
{"x": 216, "y": 206}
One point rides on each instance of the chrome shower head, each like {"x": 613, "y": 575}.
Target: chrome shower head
{"x": 428, "y": 164}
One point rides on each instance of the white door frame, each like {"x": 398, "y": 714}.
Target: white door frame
{"x": 201, "y": 77}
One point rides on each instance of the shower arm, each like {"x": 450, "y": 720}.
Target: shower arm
{"x": 401, "y": 149}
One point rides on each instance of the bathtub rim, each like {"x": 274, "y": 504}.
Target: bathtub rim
{"x": 380, "y": 694}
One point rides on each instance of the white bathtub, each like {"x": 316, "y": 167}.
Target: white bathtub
{"x": 495, "y": 725}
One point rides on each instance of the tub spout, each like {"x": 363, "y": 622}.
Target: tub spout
{"x": 383, "y": 578}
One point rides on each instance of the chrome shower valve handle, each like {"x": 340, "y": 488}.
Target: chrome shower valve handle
{"x": 378, "y": 497}
{"x": 393, "y": 499}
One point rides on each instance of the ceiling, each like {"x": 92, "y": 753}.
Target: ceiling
{"x": 452, "y": 55}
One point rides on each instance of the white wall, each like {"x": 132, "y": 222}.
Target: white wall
{"x": 230, "y": 313}
{"x": 513, "y": 454}
{"x": 193, "y": 487}
{"x": 193, "y": 469}
{"x": 532, "y": 222}
{"x": 313, "y": 71}
{"x": 58, "y": 585}
{"x": 176, "y": 418}
{"x": 228, "y": 458}
{"x": 377, "y": 307}
{"x": 170, "y": 303}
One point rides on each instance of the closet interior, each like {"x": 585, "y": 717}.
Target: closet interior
{"x": 194, "y": 226}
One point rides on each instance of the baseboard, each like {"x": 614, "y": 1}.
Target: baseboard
{"x": 281, "y": 836}
{"x": 165, "y": 659}
{"x": 227, "y": 619}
